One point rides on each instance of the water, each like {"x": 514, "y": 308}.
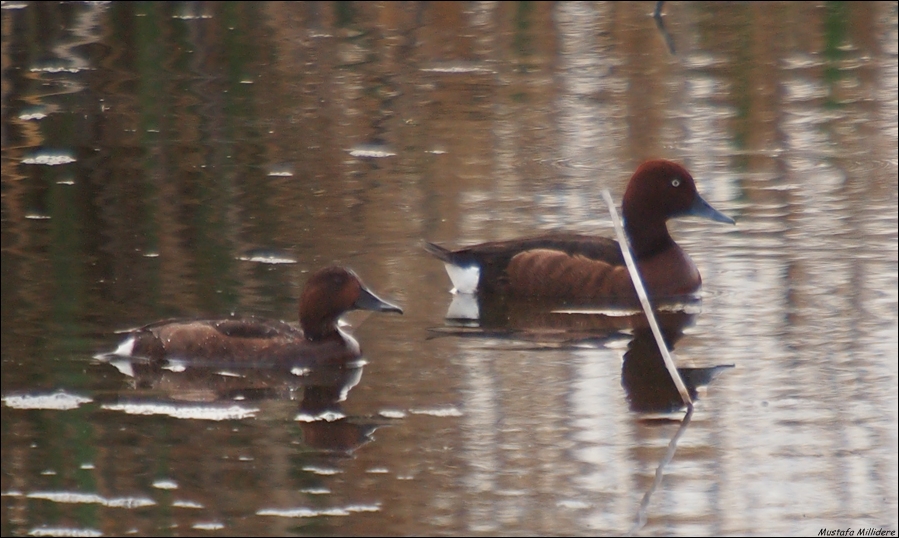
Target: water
{"x": 201, "y": 159}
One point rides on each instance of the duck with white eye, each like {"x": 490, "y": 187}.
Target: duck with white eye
{"x": 590, "y": 270}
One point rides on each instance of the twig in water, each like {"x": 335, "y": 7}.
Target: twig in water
{"x": 669, "y": 455}
{"x": 644, "y": 302}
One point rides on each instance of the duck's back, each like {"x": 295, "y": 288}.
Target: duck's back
{"x": 552, "y": 265}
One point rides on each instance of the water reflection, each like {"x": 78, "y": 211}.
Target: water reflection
{"x": 228, "y": 391}
{"x": 164, "y": 159}
{"x": 645, "y": 378}
{"x": 560, "y": 362}
{"x": 544, "y": 325}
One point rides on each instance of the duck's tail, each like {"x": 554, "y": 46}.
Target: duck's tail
{"x": 464, "y": 271}
{"x": 439, "y": 252}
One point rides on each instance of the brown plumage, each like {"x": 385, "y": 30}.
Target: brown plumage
{"x": 581, "y": 269}
{"x": 329, "y": 293}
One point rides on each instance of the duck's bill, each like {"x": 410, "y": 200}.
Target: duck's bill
{"x": 701, "y": 208}
{"x": 369, "y": 301}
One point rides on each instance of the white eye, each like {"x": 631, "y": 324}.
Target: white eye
{"x": 675, "y": 182}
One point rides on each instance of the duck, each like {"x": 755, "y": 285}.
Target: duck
{"x": 328, "y": 294}
{"x": 576, "y": 269}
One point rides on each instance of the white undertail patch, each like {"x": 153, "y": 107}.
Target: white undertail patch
{"x": 465, "y": 279}
{"x": 126, "y": 348}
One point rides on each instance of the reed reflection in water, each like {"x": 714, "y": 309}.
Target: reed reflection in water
{"x": 179, "y": 160}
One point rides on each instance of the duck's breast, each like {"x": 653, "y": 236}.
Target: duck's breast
{"x": 670, "y": 273}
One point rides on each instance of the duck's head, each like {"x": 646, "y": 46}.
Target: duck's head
{"x": 331, "y": 292}
{"x": 660, "y": 190}
{"x": 664, "y": 189}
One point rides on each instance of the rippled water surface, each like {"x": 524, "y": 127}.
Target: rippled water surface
{"x": 169, "y": 159}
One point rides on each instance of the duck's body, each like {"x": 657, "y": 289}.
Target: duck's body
{"x": 583, "y": 269}
{"x": 233, "y": 341}
{"x": 328, "y": 294}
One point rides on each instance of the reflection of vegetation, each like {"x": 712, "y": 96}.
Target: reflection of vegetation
{"x": 640, "y": 519}
{"x": 66, "y": 247}
{"x": 836, "y": 25}
{"x": 743, "y": 78}
{"x": 177, "y": 122}
{"x": 523, "y": 41}
{"x": 345, "y": 13}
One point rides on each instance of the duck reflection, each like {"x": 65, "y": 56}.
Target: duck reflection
{"x": 646, "y": 381}
{"x": 319, "y": 392}
{"x": 647, "y": 384}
